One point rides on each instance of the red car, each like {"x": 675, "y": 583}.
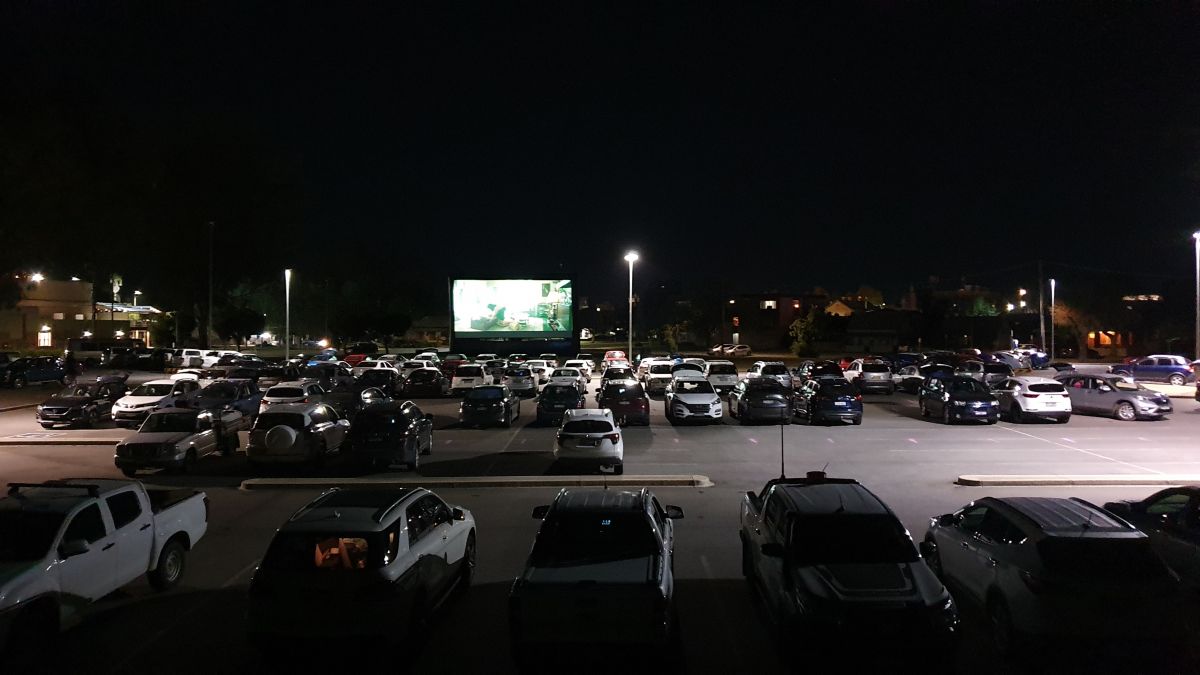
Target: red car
{"x": 359, "y": 351}
{"x": 452, "y": 361}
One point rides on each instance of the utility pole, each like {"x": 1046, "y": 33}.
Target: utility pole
{"x": 212, "y": 227}
{"x": 1041, "y": 308}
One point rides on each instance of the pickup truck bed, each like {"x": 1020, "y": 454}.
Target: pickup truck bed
{"x": 162, "y": 498}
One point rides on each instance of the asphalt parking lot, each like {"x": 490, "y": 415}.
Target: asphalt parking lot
{"x": 908, "y": 461}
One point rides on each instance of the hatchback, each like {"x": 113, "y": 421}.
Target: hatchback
{"x": 590, "y": 436}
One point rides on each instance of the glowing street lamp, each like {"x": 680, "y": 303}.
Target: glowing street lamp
{"x": 37, "y": 277}
{"x": 287, "y": 313}
{"x": 630, "y": 258}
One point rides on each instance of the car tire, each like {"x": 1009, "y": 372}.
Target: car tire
{"x": 429, "y": 448}
{"x": 1177, "y": 380}
{"x": 19, "y": 382}
{"x": 172, "y": 562}
{"x": 742, "y": 420}
{"x": 1125, "y": 411}
{"x": 189, "y": 462}
{"x": 619, "y": 469}
{"x": 1064, "y": 419}
{"x": 467, "y": 573}
{"x": 129, "y": 472}
{"x": 857, "y": 421}
{"x": 33, "y": 635}
{"x": 747, "y": 561}
{"x": 47, "y": 426}
{"x": 924, "y": 410}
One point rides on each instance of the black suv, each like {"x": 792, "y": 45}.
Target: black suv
{"x": 958, "y": 399}
{"x": 555, "y": 400}
{"x": 832, "y": 562}
{"x": 629, "y": 402}
{"x": 390, "y": 432}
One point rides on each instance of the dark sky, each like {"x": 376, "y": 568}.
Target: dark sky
{"x": 774, "y": 146}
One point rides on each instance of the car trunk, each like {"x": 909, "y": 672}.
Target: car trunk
{"x": 609, "y": 602}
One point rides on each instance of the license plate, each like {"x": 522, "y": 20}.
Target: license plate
{"x": 588, "y": 443}
{"x": 467, "y": 381}
{"x": 980, "y": 412}
{"x": 558, "y": 407}
{"x": 841, "y": 403}
{"x": 1050, "y": 404}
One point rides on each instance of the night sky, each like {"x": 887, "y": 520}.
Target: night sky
{"x": 778, "y": 146}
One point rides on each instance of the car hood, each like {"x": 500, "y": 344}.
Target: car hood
{"x": 158, "y": 437}
{"x": 906, "y": 583}
{"x": 139, "y": 400}
{"x": 10, "y": 571}
{"x": 697, "y": 399}
{"x": 67, "y": 401}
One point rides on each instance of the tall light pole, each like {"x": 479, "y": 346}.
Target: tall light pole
{"x": 1196, "y": 237}
{"x": 631, "y": 258}
{"x": 287, "y": 313}
{"x": 1053, "y": 284}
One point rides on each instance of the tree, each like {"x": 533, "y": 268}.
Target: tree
{"x": 980, "y": 307}
{"x": 239, "y": 323}
{"x": 805, "y": 332}
{"x": 1079, "y": 322}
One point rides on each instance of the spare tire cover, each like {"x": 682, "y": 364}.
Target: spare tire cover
{"x": 281, "y": 437}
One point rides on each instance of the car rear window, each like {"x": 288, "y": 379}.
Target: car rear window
{"x": 624, "y": 390}
{"x": 343, "y": 551}
{"x": 1047, "y": 388}
{"x": 423, "y": 375}
{"x": 268, "y": 420}
{"x": 694, "y": 387}
{"x": 468, "y": 371}
{"x": 587, "y": 427}
{"x": 876, "y": 368}
{"x": 835, "y": 388}
{"x": 618, "y": 373}
{"x": 1100, "y": 559}
{"x": 774, "y": 369}
{"x": 518, "y": 372}
{"x": 485, "y": 394}
{"x": 560, "y": 392}
{"x": 722, "y": 369}
{"x": 765, "y": 385}
{"x": 570, "y": 539}
{"x": 285, "y": 392}
{"x": 660, "y": 369}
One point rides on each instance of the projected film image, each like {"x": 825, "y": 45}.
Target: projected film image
{"x": 502, "y": 307}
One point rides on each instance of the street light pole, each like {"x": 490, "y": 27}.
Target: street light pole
{"x": 1196, "y": 237}
{"x": 631, "y": 258}
{"x": 1053, "y": 283}
{"x": 287, "y": 313}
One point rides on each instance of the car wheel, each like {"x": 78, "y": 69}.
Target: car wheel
{"x": 932, "y": 558}
{"x": 467, "y": 573}
{"x": 946, "y": 415}
{"x": 47, "y": 426}
{"x": 428, "y": 448}
{"x": 857, "y": 421}
{"x": 171, "y": 563}
{"x": 129, "y": 473}
{"x": 1004, "y": 634}
{"x": 618, "y": 469}
{"x": 1064, "y": 419}
{"x": 747, "y": 561}
{"x": 189, "y": 462}
{"x": 415, "y": 464}
{"x": 1177, "y": 380}
{"x": 1126, "y": 412}
{"x": 18, "y": 382}
{"x": 924, "y": 410}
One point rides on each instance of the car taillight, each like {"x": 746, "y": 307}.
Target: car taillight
{"x": 613, "y": 437}
{"x": 858, "y": 397}
{"x": 579, "y": 404}
{"x": 1027, "y": 395}
{"x": 644, "y": 404}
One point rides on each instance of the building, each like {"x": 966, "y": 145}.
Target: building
{"x": 47, "y": 313}
{"x": 130, "y": 321}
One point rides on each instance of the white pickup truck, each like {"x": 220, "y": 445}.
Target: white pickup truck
{"x": 67, "y": 543}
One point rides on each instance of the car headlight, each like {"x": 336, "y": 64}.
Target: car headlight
{"x": 39, "y": 408}
{"x": 993, "y": 403}
{"x": 958, "y": 403}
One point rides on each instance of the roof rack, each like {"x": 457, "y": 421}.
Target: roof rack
{"x": 92, "y": 490}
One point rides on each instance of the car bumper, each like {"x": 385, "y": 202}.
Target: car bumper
{"x": 885, "y": 386}
{"x": 258, "y": 455}
{"x": 1055, "y": 414}
{"x": 266, "y": 620}
{"x": 975, "y": 414}
{"x": 685, "y": 414}
{"x": 58, "y": 420}
{"x": 604, "y": 455}
{"x": 837, "y": 414}
{"x": 782, "y": 413}
{"x": 125, "y": 418}
{"x": 490, "y": 416}
{"x": 163, "y": 462}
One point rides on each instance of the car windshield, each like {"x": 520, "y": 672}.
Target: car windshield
{"x": 468, "y": 371}
{"x": 836, "y": 388}
{"x": 1087, "y": 559}
{"x": 876, "y": 368}
{"x": 587, "y": 427}
{"x": 169, "y": 422}
{"x": 660, "y": 369}
{"x": 722, "y": 369}
{"x": 560, "y": 393}
{"x": 152, "y": 390}
{"x": 568, "y": 539}
{"x": 623, "y": 390}
{"x": 423, "y": 375}
{"x": 618, "y": 373}
{"x": 965, "y": 386}
{"x": 764, "y": 386}
{"x": 82, "y": 390}
{"x": 285, "y": 392}
{"x": 485, "y": 394}
{"x": 584, "y": 357}
{"x": 850, "y": 539}
{"x": 693, "y": 387}
{"x": 27, "y": 535}
{"x": 275, "y": 419}
{"x": 774, "y": 369}
{"x": 333, "y": 552}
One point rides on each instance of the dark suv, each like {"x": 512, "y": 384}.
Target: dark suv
{"x": 958, "y": 399}
{"x": 627, "y": 399}
{"x": 390, "y": 432}
{"x": 555, "y": 400}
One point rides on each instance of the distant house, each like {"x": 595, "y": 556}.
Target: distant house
{"x": 883, "y": 331}
{"x": 429, "y": 330}
{"x": 849, "y": 307}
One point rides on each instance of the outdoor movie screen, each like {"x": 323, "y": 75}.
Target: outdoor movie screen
{"x": 518, "y": 308}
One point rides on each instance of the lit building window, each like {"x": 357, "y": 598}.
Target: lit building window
{"x": 767, "y": 304}
{"x": 58, "y": 316}
{"x": 45, "y": 337}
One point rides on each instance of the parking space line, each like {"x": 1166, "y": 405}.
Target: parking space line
{"x": 1086, "y": 452}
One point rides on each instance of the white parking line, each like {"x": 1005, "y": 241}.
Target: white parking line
{"x": 752, "y": 440}
{"x": 1086, "y": 452}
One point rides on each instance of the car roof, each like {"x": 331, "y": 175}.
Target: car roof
{"x": 817, "y": 494}
{"x": 589, "y": 413}
{"x": 160, "y": 382}
{"x": 598, "y": 500}
{"x": 1033, "y": 379}
{"x": 302, "y": 408}
{"x": 60, "y": 496}
{"x": 721, "y": 361}
{"x": 355, "y": 509}
{"x": 1060, "y": 515}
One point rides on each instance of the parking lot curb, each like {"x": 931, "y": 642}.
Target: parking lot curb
{"x": 59, "y": 441}
{"x": 481, "y": 482}
{"x": 18, "y": 407}
{"x": 1080, "y": 480}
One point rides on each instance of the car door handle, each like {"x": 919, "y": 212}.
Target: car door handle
{"x": 108, "y": 545}
{"x": 144, "y": 527}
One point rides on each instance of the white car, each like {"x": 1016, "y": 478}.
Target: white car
{"x": 551, "y": 359}
{"x": 300, "y": 391}
{"x": 571, "y": 376}
{"x": 723, "y": 375}
{"x": 587, "y": 358}
{"x": 583, "y": 366}
{"x": 1024, "y": 398}
{"x": 429, "y": 356}
{"x": 467, "y": 377}
{"x": 541, "y": 369}
{"x": 870, "y": 375}
{"x": 737, "y": 350}
{"x": 210, "y": 358}
{"x": 590, "y": 435}
{"x": 657, "y": 377}
{"x": 690, "y": 396}
{"x": 188, "y": 374}
{"x": 520, "y": 380}
{"x": 484, "y": 358}
{"x": 370, "y": 364}
{"x": 405, "y": 369}
{"x": 133, "y": 408}
{"x": 772, "y": 369}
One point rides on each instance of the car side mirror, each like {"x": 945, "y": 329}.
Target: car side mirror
{"x": 947, "y": 520}
{"x": 458, "y": 514}
{"x": 772, "y": 550}
{"x": 72, "y": 548}
{"x": 539, "y": 512}
{"x": 673, "y": 512}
